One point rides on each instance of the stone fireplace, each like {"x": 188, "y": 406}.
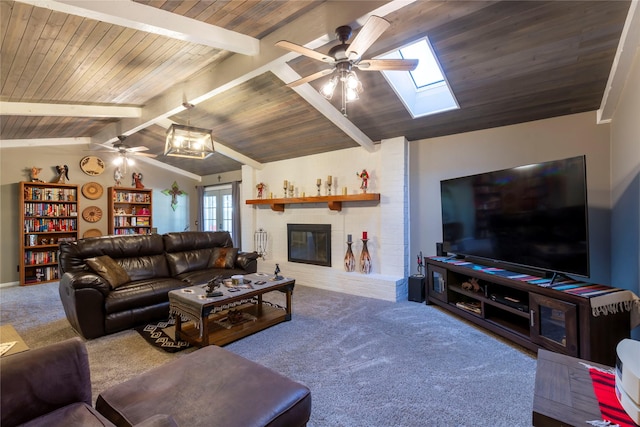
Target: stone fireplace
{"x": 309, "y": 244}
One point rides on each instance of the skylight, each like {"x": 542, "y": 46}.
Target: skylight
{"x": 425, "y": 90}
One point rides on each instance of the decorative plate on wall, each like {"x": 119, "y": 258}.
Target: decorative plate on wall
{"x": 92, "y": 214}
{"x": 92, "y": 190}
{"x": 92, "y": 232}
{"x": 92, "y": 165}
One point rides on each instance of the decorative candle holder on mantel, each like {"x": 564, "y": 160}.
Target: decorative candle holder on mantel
{"x": 349, "y": 259}
{"x": 365, "y": 258}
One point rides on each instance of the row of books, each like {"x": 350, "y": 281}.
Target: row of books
{"x": 41, "y": 274}
{"x": 61, "y": 194}
{"x": 40, "y": 257}
{"x": 132, "y": 231}
{"x": 131, "y": 221}
{"x": 52, "y": 224}
{"x": 131, "y": 197}
{"x": 50, "y": 209}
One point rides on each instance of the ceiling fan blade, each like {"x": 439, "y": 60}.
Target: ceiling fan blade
{"x": 140, "y": 148}
{"x": 387, "y": 64}
{"x": 369, "y": 33}
{"x": 311, "y": 78}
{"x": 305, "y": 51}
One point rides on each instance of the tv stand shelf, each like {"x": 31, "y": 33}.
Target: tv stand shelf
{"x": 533, "y": 315}
{"x": 333, "y": 202}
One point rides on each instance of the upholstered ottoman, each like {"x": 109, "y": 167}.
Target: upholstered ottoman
{"x": 209, "y": 387}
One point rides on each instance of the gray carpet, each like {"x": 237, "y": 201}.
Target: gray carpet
{"x": 367, "y": 362}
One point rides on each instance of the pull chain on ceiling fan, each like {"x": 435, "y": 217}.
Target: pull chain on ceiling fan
{"x": 344, "y": 57}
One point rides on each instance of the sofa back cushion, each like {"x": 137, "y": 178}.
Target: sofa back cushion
{"x": 191, "y": 250}
{"x": 142, "y": 256}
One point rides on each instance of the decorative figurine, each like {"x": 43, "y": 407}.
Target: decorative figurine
{"x": 117, "y": 176}
{"x": 364, "y": 176}
{"x": 137, "y": 180}
{"x": 276, "y": 273}
{"x": 420, "y": 266}
{"x": 260, "y": 188}
{"x": 34, "y": 174}
{"x": 63, "y": 174}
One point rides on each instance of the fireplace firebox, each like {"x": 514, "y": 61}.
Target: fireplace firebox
{"x": 309, "y": 243}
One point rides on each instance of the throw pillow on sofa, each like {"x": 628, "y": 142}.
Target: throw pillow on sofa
{"x": 109, "y": 270}
{"x": 223, "y": 257}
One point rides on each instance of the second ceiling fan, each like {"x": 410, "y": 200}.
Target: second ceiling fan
{"x": 346, "y": 56}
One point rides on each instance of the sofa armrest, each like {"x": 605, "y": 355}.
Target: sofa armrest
{"x": 248, "y": 261}
{"x": 83, "y": 294}
{"x": 36, "y": 382}
{"x": 80, "y": 279}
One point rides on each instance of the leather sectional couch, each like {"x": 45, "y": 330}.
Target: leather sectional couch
{"x": 112, "y": 283}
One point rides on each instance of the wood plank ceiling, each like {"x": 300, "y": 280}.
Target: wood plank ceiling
{"x": 507, "y": 62}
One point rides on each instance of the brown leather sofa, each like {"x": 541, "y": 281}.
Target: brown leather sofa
{"x": 152, "y": 265}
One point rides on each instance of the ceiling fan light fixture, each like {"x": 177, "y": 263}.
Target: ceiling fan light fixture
{"x": 329, "y": 87}
{"x": 188, "y": 142}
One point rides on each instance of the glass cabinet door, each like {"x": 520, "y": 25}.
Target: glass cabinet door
{"x": 553, "y": 324}
{"x": 437, "y": 283}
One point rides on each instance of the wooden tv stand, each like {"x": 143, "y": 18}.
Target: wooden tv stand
{"x": 530, "y": 315}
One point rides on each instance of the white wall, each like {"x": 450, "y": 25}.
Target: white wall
{"x": 385, "y": 222}
{"x": 433, "y": 160}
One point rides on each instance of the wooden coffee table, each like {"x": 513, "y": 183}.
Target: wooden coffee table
{"x": 208, "y": 321}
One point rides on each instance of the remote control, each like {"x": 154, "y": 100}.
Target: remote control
{"x": 261, "y": 282}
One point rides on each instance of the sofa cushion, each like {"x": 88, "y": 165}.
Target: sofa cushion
{"x": 201, "y": 277}
{"x": 110, "y": 270}
{"x": 223, "y": 257}
{"x": 141, "y": 293}
{"x": 73, "y": 254}
{"x": 188, "y": 240}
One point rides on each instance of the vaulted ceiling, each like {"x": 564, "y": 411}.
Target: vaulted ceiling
{"x": 93, "y": 70}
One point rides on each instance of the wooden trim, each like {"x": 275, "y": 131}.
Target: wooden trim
{"x": 334, "y": 203}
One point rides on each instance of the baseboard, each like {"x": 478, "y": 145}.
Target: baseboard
{"x": 9, "y": 284}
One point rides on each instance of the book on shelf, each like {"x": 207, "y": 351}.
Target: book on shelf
{"x": 470, "y": 306}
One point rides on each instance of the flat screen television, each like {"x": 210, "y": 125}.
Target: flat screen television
{"x": 532, "y": 216}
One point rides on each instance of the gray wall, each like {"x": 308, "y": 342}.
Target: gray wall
{"x": 15, "y": 163}
{"x": 435, "y": 159}
{"x": 625, "y": 186}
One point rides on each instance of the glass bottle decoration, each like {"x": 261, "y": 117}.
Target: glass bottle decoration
{"x": 349, "y": 258}
{"x": 365, "y": 258}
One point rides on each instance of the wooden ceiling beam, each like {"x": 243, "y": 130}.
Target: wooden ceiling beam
{"x": 8, "y": 108}
{"x": 156, "y": 21}
{"x": 311, "y": 29}
{"x": 320, "y": 103}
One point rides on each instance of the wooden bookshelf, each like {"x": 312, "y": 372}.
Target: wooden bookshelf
{"x": 48, "y": 215}
{"x": 130, "y": 210}
{"x": 333, "y": 202}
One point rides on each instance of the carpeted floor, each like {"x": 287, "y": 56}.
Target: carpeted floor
{"x": 367, "y": 362}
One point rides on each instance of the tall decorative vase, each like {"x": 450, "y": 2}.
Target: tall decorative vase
{"x": 349, "y": 259}
{"x": 365, "y": 258}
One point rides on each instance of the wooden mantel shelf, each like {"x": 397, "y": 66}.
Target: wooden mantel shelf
{"x": 334, "y": 202}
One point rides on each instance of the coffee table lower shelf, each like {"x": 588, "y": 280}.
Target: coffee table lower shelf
{"x": 259, "y": 317}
